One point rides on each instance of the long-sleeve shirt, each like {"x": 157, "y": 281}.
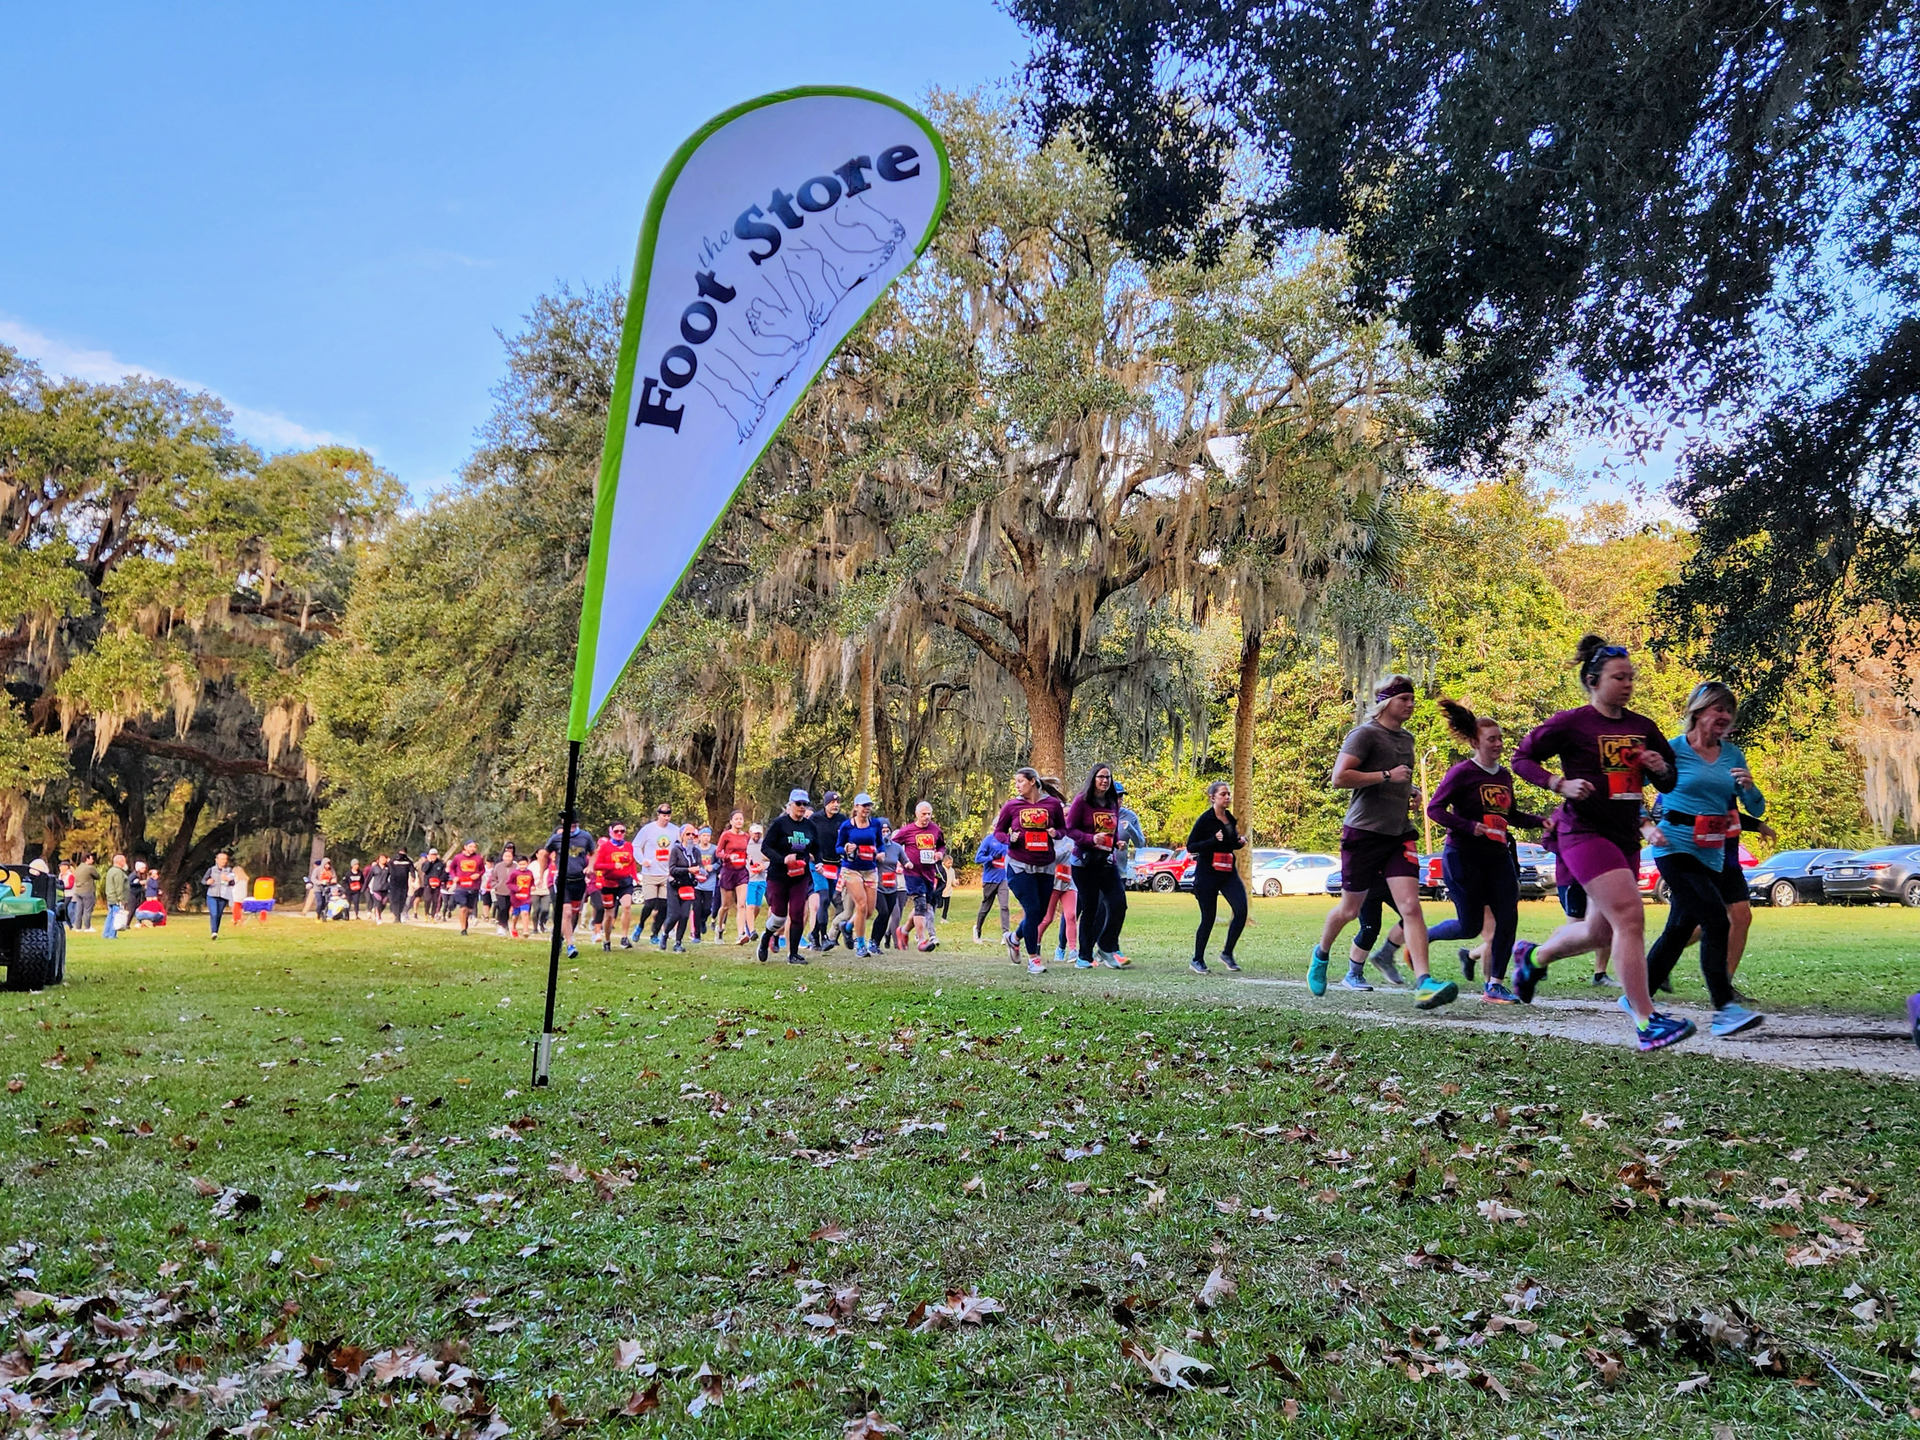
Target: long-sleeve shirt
{"x": 1023, "y": 825}
{"x": 1094, "y": 830}
{"x": 614, "y": 863}
{"x": 861, "y": 844}
{"x": 683, "y": 863}
{"x": 115, "y": 887}
{"x": 652, "y": 845}
{"x": 921, "y": 848}
{"x": 1705, "y": 793}
{"x": 467, "y": 872}
{"x": 991, "y": 857}
{"x": 1605, "y": 753}
{"x": 1210, "y": 837}
{"x": 1470, "y": 795}
{"x": 500, "y": 877}
{"x": 788, "y": 845}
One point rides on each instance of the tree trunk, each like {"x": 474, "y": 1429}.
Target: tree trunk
{"x": 1244, "y": 705}
{"x": 864, "y": 773}
{"x": 13, "y": 826}
{"x": 1049, "y": 699}
{"x": 172, "y": 862}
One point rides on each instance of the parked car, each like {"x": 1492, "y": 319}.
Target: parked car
{"x": 1793, "y": 876}
{"x": 1539, "y": 871}
{"x": 1266, "y": 868}
{"x": 1140, "y": 878}
{"x": 1889, "y": 873}
{"x": 1654, "y": 886}
{"x": 1297, "y": 875}
{"x": 1170, "y": 872}
{"x": 1433, "y": 885}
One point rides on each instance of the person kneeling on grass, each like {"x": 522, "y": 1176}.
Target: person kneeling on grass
{"x": 1377, "y": 841}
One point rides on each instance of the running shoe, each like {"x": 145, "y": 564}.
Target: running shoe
{"x": 1117, "y": 961}
{"x": 1013, "y": 948}
{"x": 626, "y": 942}
{"x": 606, "y": 947}
{"x": 680, "y": 949}
{"x": 1080, "y": 962}
{"x": 1355, "y": 980}
{"x": 798, "y": 960}
{"x": 1317, "y": 972}
{"x": 925, "y": 945}
{"x": 976, "y": 936}
{"x": 1034, "y": 967}
{"x": 760, "y": 952}
{"x": 1603, "y": 981}
{"x": 572, "y": 953}
{"x": 1431, "y": 994}
{"x": 1663, "y": 1030}
{"x": 1525, "y": 976}
{"x": 1059, "y": 954}
{"x": 1231, "y": 963}
{"x": 1467, "y": 963}
{"x": 1198, "y": 966}
{"x": 1389, "y": 971}
{"x": 1494, "y": 993}
{"x": 1732, "y": 1018}
{"x": 746, "y": 939}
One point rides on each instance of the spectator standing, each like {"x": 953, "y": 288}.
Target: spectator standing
{"x": 86, "y": 889}
{"x": 223, "y": 889}
{"x": 117, "y": 887}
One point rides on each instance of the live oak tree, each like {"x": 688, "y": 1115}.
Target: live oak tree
{"x": 163, "y": 594}
{"x": 1700, "y": 209}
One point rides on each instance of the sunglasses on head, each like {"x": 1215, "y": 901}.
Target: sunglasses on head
{"x": 1604, "y": 654}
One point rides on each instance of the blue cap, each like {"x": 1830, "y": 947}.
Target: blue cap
{"x": 799, "y": 797}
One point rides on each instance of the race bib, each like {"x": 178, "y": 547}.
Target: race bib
{"x": 865, "y": 852}
{"x": 1223, "y": 860}
{"x": 1709, "y": 829}
{"x": 1733, "y": 825}
{"x": 354, "y": 884}
{"x": 1063, "y": 872}
{"x": 1496, "y": 827}
{"x": 927, "y": 857}
{"x": 1412, "y": 853}
{"x": 1104, "y": 840}
{"x": 660, "y": 854}
{"x": 796, "y": 864}
{"x": 832, "y": 872}
{"x": 686, "y": 892}
{"x": 1036, "y": 840}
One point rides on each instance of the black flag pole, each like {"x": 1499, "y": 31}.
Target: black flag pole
{"x": 543, "y": 1050}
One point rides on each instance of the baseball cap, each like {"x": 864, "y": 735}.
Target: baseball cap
{"x": 799, "y": 797}
{"x": 863, "y": 798}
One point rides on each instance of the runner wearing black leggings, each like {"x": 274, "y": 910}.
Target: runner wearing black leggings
{"x": 1028, "y": 825}
{"x": 787, "y": 848}
{"x": 1475, "y": 803}
{"x": 1692, "y": 850}
{"x": 1093, "y": 824}
{"x": 1212, "y": 842}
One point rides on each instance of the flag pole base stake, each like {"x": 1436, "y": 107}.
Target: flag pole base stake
{"x": 541, "y": 1055}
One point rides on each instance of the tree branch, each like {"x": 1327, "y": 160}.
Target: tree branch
{"x": 204, "y": 759}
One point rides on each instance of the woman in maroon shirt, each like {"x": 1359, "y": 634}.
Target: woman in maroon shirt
{"x": 1029, "y": 824}
{"x": 1607, "y": 755}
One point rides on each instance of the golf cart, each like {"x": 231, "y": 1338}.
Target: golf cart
{"x": 33, "y": 942}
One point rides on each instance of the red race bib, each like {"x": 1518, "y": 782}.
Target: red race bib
{"x": 1496, "y": 826}
{"x": 1625, "y": 783}
{"x": 1412, "y": 853}
{"x": 865, "y": 852}
{"x": 796, "y": 864}
{"x": 1733, "y": 825}
{"x": 1063, "y": 872}
{"x": 1036, "y": 840}
{"x": 832, "y": 872}
{"x": 686, "y": 892}
{"x": 1709, "y": 829}
{"x": 1223, "y": 860}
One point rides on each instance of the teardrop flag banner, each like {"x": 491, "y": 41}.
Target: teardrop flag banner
{"x": 771, "y": 232}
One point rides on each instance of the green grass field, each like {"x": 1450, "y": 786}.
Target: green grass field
{"x": 757, "y": 1200}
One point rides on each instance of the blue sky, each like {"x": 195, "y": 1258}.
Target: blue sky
{"x": 325, "y": 213}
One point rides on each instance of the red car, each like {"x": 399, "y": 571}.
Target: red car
{"x": 1655, "y": 888}
{"x": 1165, "y": 874}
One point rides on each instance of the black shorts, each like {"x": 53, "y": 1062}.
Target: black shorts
{"x": 576, "y": 889}
{"x": 1733, "y": 882}
{"x": 617, "y": 892}
{"x": 1368, "y": 857}
{"x": 466, "y": 899}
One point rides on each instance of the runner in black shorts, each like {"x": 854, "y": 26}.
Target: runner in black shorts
{"x": 1378, "y": 843}
{"x": 466, "y": 875}
{"x": 570, "y": 893}
{"x": 787, "y": 848}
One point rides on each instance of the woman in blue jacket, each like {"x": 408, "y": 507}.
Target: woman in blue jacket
{"x": 991, "y": 857}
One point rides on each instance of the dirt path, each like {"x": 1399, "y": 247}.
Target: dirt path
{"x": 1790, "y": 1040}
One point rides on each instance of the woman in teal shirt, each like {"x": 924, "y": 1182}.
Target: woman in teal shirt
{"x": 1692, "y": 827}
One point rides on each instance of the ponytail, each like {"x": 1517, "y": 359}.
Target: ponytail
{"x": 1462, "y": 721}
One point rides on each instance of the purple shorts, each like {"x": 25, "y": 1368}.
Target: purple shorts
{"x": 732, "y": 877}
{"x": 1587, "y": 857}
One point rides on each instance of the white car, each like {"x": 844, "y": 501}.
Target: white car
{"x": 1293, "y": 875}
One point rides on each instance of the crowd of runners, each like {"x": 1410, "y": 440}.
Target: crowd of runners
{"x": 813, "y": 878}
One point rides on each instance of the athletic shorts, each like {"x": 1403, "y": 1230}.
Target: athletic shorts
{"x": 1733, "y": 882}
{"x": 466, "y": 899}
{"x": 1587, "y": 857}
{"x": 655, "y": 887}
{"x": 617, "y": 891}
{"x": 576, "y": 889}
{"x": 523, "y": 909}
{"x": 1368, "y": 857}
{"x": 732, "y": 877}
{"x": 918, "y": 884}
{"x": 756, "y": 892}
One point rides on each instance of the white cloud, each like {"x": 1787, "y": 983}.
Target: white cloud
{"x": 100, "y": 367}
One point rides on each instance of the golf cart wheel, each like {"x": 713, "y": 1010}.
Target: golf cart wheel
{"x": 1910, "y": 893}
{"x": 1270, "y": 889}
{"x": 33, "y": 965}
{"x": 59, "y": 955}
{"x": 1783, "y": 894}
{"x": 1163, "y": 883}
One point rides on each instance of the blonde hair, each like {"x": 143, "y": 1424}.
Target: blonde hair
{"x": 1711, "y": 695}
{"x": 1398, "y": 684}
